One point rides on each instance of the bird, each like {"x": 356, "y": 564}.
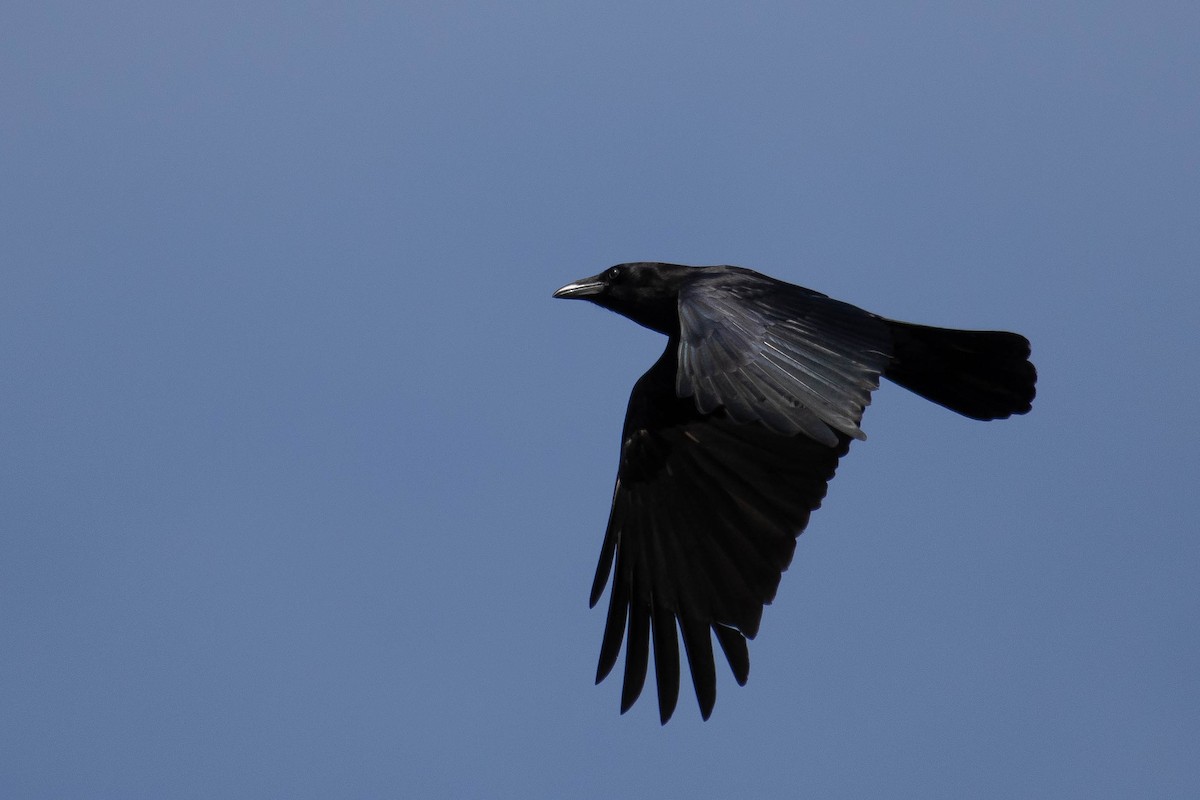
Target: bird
{"x": 730, "y": 440}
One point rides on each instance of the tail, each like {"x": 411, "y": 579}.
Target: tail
{"x": 979, "y": 374}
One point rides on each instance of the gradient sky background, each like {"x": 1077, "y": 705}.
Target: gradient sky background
{"x": 303, "y": 474}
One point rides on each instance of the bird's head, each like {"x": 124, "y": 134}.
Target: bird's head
{"x": 645, "y": 292}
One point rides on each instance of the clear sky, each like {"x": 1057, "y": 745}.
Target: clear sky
{"x": 303, "y": 474}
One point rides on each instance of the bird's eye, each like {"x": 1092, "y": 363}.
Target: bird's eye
{"x": 613, "y": 273}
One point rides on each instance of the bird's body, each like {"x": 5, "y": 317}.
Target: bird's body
{"x": 729, "y": 442}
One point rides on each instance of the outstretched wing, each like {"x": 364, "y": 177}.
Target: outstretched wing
{"x": 704, "y": 521}
{"x": 787, "y": 357}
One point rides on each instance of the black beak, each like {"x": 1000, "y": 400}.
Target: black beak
{"x": 587, "y": 287}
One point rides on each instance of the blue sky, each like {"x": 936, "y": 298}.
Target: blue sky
{"x": 303, "y": 475}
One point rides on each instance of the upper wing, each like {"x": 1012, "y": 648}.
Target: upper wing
{"x": 790, "y": 358}
{"x": 704, "y": 521}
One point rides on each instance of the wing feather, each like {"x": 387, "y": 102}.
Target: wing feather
{"x": 704, "y": 520}
{"x": 789, "y": 358}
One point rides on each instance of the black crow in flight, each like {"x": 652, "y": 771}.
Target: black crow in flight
{"x": 729, "y": 442}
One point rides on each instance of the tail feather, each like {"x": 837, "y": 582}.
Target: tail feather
{"x": 980, "y": 374}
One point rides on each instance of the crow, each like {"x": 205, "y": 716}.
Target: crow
{"x": 730, "y": 440}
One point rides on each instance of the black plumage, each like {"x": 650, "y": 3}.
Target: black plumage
{"x": 730, "y": 440}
